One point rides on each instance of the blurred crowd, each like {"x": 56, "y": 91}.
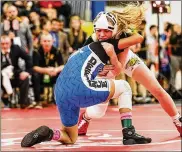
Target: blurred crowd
{"x": 35, "y": 46}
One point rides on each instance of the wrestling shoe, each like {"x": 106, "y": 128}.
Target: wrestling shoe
{"x": 178, "y": 124}
{"x": 82, "y": 125}
{"x": 41, "y": 134}
{"x": 130, "y": 137}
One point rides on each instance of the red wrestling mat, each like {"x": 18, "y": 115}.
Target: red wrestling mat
{"x": 104, "y": 134}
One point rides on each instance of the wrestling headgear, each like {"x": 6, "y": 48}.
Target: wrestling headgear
{"x": 101, "y": 21}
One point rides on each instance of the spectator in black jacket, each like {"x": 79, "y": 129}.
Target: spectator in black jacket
{"x": 9, "y": 60}
{"x": 47, "y": 64}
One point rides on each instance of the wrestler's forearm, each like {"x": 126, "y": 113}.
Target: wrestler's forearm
{"x": 117, "y": 66}
{"x": 129, "y": 41}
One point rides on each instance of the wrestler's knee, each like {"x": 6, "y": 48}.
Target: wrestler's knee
{"x": 73, "y": 140}
{"x": 97, "y": 111}
{"x": 69, "y": 141}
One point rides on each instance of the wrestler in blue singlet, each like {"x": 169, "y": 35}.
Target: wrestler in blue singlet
{"x": 76, "y": 85}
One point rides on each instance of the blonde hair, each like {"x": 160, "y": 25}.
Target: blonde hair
{"x": 71, "y": 33}
{"x": 130, "y": 17}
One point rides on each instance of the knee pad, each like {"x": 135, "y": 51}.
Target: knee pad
{"x": 121, "y": 87}
{"x": 124, "y": 94}
{"x": 97, "y": 111}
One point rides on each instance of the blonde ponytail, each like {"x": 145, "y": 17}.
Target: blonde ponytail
{"x": 130, "y": 17}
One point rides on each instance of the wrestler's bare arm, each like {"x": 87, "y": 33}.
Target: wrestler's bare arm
{"x": 129, "y": 41}
{"x": 113, "y": 57}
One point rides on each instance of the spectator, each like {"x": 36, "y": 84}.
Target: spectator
{"x": 142, "y": 52}
{"x": 17, "y": 30}
{"x": 22, "y": 8}
{"x": 165, "y": 70}
{"x": 35, "y": 36}
{"x": 175, "y": 43}
{"x": 62, "y": 23}
{"x": 47, "y": 4}
{"x": 49, "y": 8}
{"x": 25, "y": 20}
{"x": 60, "y": 39}
{"x": 45, "y": 25}
{"x": 4, "y": 6}
{"x": 52, "y": 8}
{"x": 66, "y": 11}
{"x": 9, "y": 64}
{"x": 47, "y": 64}
{"x": 34, "y": 20}
{"x": 152, "y": 53}
{"x": 34, "y": 6}
{"x": 77, "y": 36}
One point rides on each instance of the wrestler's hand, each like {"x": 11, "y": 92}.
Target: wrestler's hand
{"x": 110, "y": 75}
{"x": 108, "y": 72}
{"x": 105, "y": 70}
{"x": 108, "y": 67}
{"x": 109, "y": 49}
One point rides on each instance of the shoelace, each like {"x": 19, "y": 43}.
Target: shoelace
{"x": 81, "y": 123}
